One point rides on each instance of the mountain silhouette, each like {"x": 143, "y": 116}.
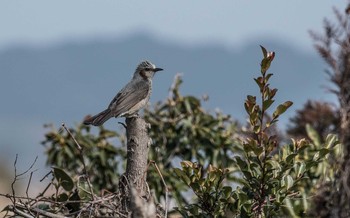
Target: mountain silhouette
{"x": 67, "y": 81}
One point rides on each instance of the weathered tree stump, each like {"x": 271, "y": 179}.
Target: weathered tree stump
{"x": 135, "y": 195}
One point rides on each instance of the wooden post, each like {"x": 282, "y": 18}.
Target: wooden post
{"x": 136, "y": 197}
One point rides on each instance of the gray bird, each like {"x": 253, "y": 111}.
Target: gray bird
{"x": 133, "y": 97}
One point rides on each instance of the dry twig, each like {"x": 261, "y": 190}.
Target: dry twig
{"x": 82, "y": 160}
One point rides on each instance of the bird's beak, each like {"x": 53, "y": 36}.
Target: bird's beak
{"x": 157, "y": 69}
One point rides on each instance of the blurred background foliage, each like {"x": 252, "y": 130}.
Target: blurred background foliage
{"x": 180, "y": 130}
{"x": 103, "y": 160}
{"x": 212, "y": 165}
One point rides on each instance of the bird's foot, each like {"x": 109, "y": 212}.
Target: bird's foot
{"x": 123, "y": 124}
{"x": 135, "y": 115}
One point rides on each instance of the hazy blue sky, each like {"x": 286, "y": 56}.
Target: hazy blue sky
{"x": 229, "y": 23}
{"x": 225, "y": 22}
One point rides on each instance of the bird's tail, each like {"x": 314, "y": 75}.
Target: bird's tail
{"x": 99, "y": 119}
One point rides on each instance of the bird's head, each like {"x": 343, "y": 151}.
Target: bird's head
{"x": 146, "y": 70}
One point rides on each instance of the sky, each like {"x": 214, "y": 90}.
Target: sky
{"x": 228, "y": 22}
{"x": 233, "y": 24}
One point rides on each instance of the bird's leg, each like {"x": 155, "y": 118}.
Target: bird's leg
{"x": 123, "y": 124}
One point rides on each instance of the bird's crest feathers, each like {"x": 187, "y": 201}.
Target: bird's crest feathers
{"x": 145, "y": 65}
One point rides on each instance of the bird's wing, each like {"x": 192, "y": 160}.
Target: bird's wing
{"x": 128, "y": 97}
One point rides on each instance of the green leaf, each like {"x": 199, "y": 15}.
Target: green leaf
{"x": 188, "y": 106}
{"x": 287, "y": 181}
{"x": 266, "y": 61}
{"x": 251, "y": 98}
{"x": 44, "y": 206}
{"x": 74, "y": 205}
{"x": 313, "y": 135}
{"x": 254, "y": 166}
{"x": 316, "y": 156}
{"x": 212, "y": 176}
{"x": 247, "y": 107}
{"x": 301, "y": 169}
{"x": 244, "y": 213}
{"x": 275, "y": 167}
{"x": 103, "y": 158}
{"x": 242, "y": 164}
{"x": 258, "y": 150}
{"x": 256, "y": 129}
{"x": 323, "y": 152}
{"x": 290, "y": 157}
{"x": 62, "y": 197}
{"x": 267, "y": 77}
{"x": 281, "y": 108}
{"x": 331, "y": 141}
{"x": 267, "y": 103}
{"x": 63, "y": 178}
{"x": 247, "y": 147}
{"x": 227, "y": 190}
{"x": 194, "y": 211}
{"x": 273, "y": 93}
{"x": 247, "y": 174}
{"x": 195, "y": 187}
{"x": 83, "y": 189}
{"x": 182, "y": 176}
{"x": 264, "y": 51}
{"x": 242, "y": 197}
{"x": 186, "y": 164}
{"x": 108, "y": 133}
{"x": 311, "y": 164}
{"x": 274, "y": 164}
{"x": 260, "y": 82}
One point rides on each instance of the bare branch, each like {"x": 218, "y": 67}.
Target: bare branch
{"x": 43, "y": 212}
{"x": 14, "y": 181}
{"x": 21, "y": 213}
{"x": 71, "y": 135}
{"x": 165, "y": 186}
{"x": 43, "y": 192}
{"x": 30, "y": 179}
{"x": 30, "y": 167}
{"x": 82, "y": 160}
{"x": 18, "y": 175}
{"x": 45, "y": 176}
{"x": 341, "y": 20}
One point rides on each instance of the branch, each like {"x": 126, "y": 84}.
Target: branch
{"x": 18, "y": 175}
{"x": 82, "y": 160}
{"x": 30, "y": 179}
{"x": 42, "y": 212}
{"x": 165, "y": 185}
{"x": 134, "y": 189}
{"x": 19, "y": 212}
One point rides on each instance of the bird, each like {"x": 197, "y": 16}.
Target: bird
{"x": 130, "y": 99}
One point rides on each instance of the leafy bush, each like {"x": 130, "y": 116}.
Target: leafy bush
{"x": 272, "y": 176}
{"x": 229, "y": 172}
{"x": 182, "y": 130}
{"x": 102, "y": 159}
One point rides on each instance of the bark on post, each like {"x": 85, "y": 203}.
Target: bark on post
{"x": 136, "y": 198}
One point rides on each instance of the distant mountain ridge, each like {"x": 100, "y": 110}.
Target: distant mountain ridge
{"x": 65, "y": 82}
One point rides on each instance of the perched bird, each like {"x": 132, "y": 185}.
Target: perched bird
{"x": 131, "y": 98}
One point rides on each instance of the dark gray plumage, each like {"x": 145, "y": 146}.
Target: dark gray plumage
{"x": 134, "y": 96}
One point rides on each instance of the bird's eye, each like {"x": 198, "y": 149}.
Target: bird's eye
{"x": 147, "y": 69}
